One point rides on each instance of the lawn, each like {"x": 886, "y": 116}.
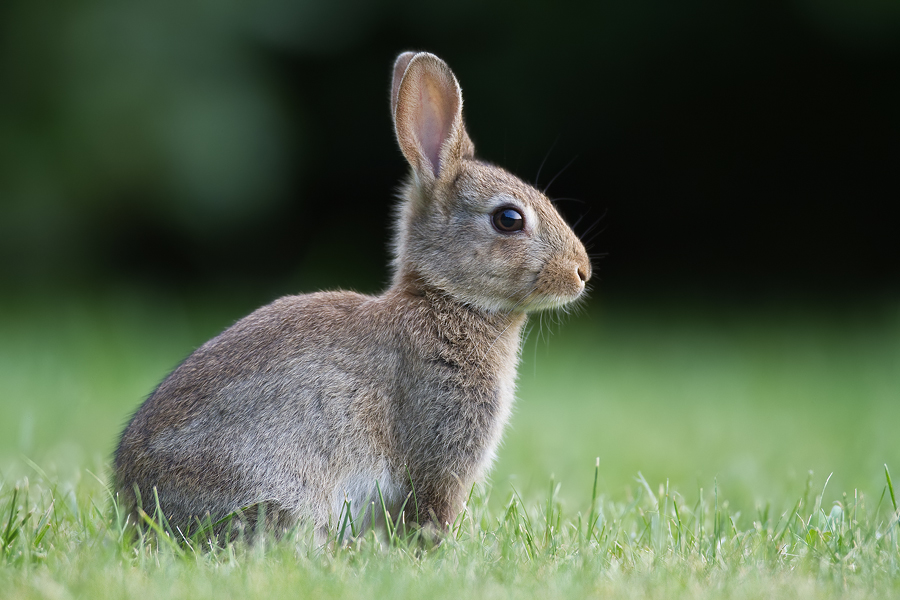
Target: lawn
{"x": 742, "y": 451}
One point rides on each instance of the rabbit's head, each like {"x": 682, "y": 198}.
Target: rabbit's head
{"x": 467, "y": 227}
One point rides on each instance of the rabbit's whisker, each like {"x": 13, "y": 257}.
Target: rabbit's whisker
{"x": 588, "y": 231}
{"x": 580, "y": 201}
{"x": 546, "y": 156}
{"x": 561, "y": 171}
{"x": 578, "y": 220}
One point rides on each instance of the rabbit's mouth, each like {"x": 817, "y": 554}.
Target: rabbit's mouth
{"x": 537, "y": 302}
{"x": 542, "y": 299}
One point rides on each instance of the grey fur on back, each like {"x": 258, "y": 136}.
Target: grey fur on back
{"x": 307, "y": 402}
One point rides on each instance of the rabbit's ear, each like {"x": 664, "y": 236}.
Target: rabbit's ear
{"x": 427, "y": 107}
{"x": 399, "y": 70}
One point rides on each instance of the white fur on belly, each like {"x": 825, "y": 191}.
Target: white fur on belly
{"x": 359, "y": 490}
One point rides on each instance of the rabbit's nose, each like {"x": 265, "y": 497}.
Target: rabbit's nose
{"x": 583, "y": 268}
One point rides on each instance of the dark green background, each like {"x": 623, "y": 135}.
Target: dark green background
{"x": 736, "y": 148}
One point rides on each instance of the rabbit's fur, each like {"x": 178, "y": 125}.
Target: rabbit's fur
{"x": 302, "y": 406}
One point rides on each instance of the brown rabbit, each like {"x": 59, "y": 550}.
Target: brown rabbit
{"x": 305, "y": 404}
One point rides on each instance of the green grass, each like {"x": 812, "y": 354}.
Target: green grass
{"x": 716, "y": 429}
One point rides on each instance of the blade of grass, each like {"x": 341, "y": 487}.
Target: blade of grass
{"x": 890, "y": 485}
{"x": 388, "y": 523}
{"x": 591, "y": 520}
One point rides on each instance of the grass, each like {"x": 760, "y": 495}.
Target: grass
{"x": 742, "y": 453}
{"x": 58, "y": 541}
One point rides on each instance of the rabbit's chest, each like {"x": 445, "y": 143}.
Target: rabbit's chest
{"x": 470, "y": 421}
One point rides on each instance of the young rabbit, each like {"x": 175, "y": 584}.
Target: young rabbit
{"x": 306, "y": 404}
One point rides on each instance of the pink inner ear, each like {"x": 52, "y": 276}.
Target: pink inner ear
{"x": 434, "y": 121}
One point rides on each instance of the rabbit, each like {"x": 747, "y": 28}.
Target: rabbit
{"x": 319, "y": 407}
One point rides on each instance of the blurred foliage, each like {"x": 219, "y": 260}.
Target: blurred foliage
{"x": 237, "y": 139}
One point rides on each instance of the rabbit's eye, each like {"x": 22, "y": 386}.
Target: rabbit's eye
{"x": 507, "y": 220}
